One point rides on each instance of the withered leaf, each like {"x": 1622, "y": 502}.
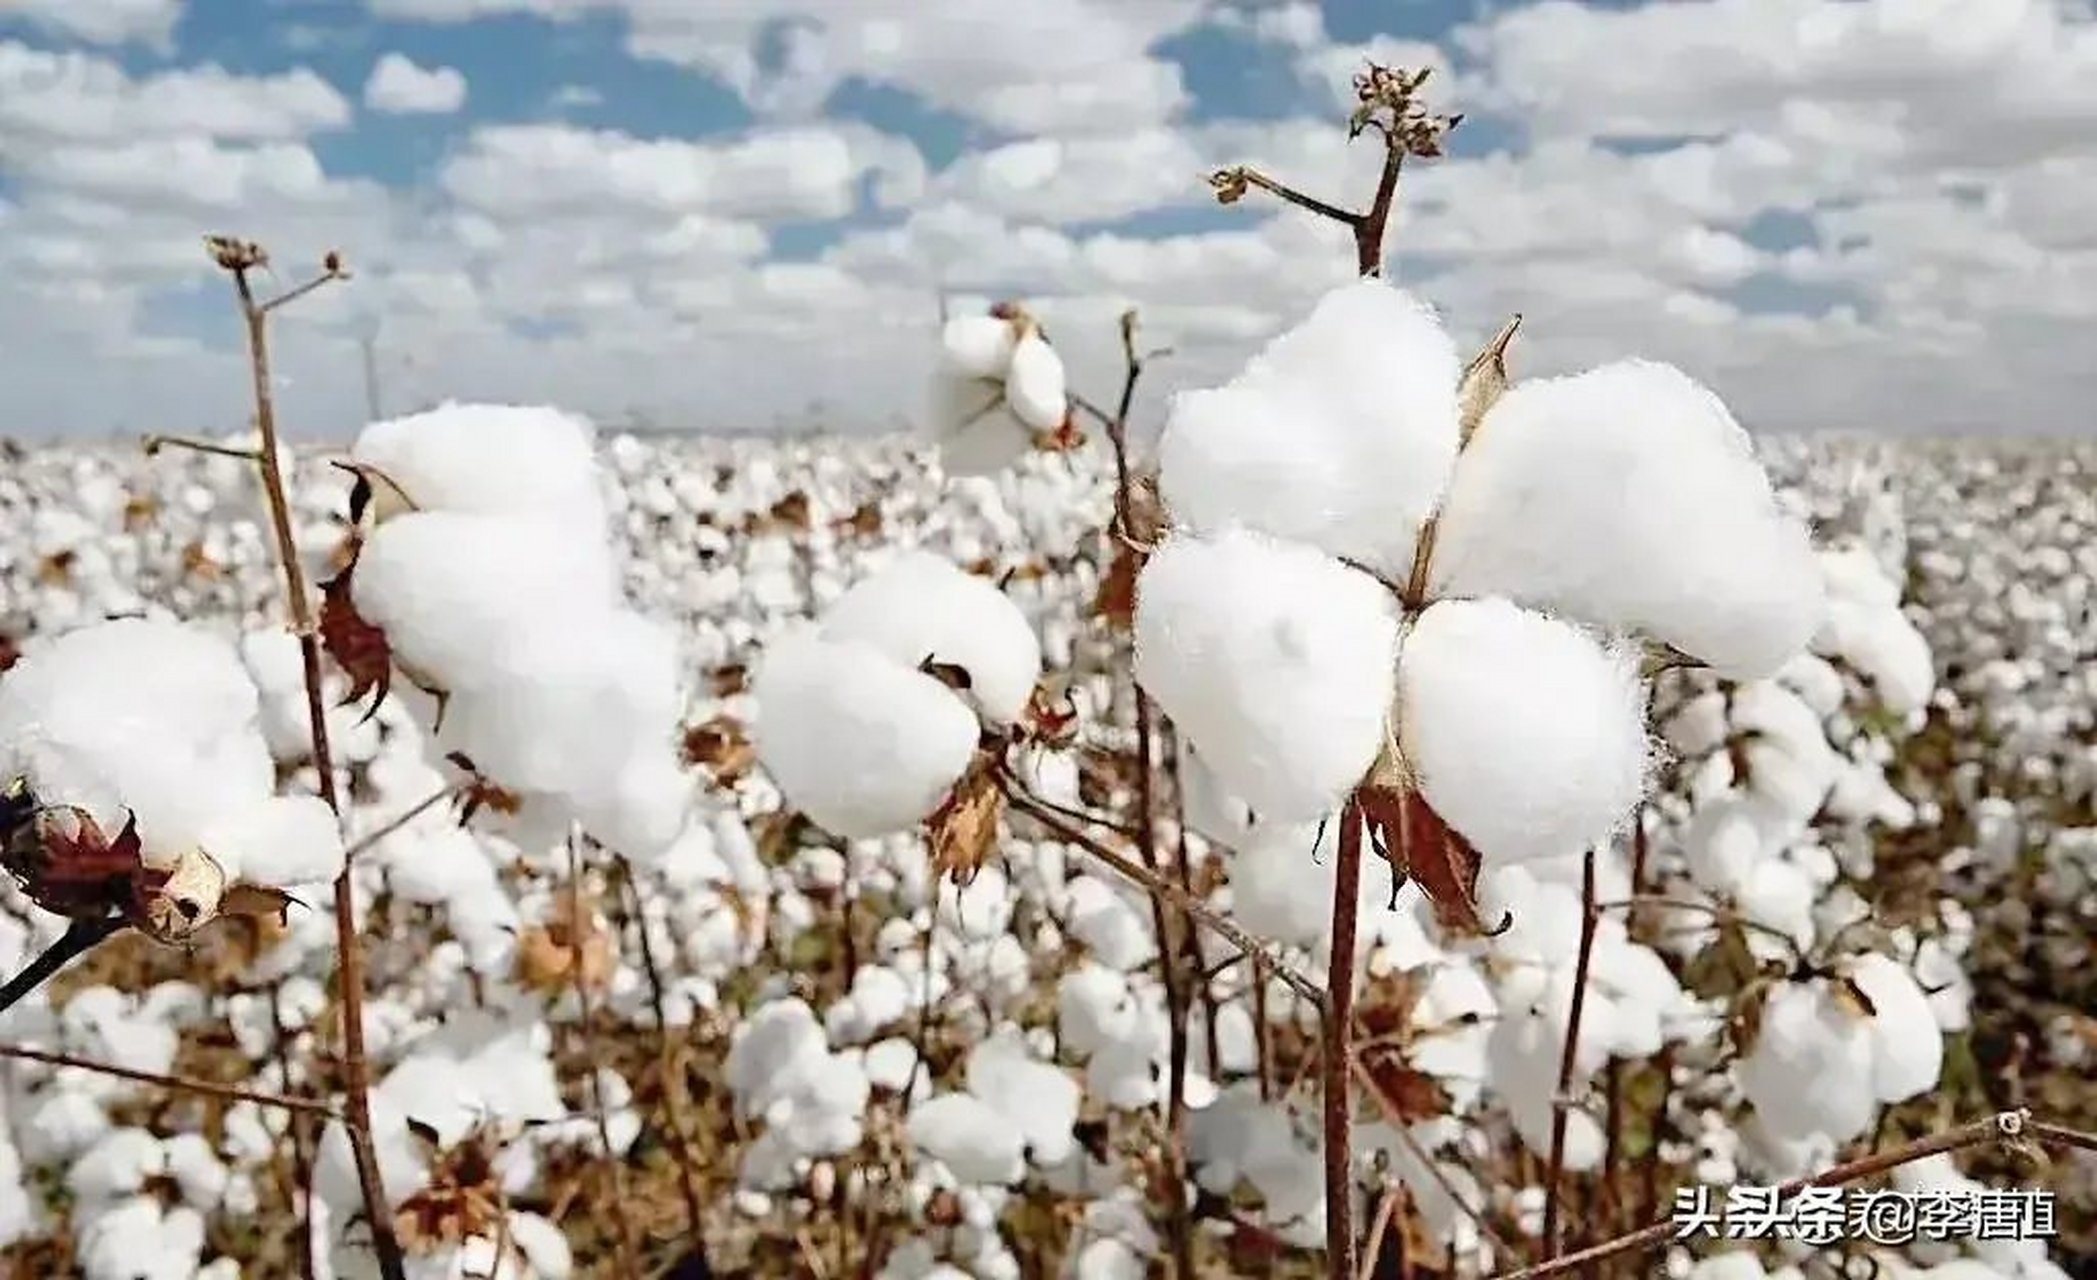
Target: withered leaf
{"x": 727, "y": 681}
{"x": 358, "y": 647}
{"x": 793, "y": 511}
{"x": 722, "y": 746}
{"x": 481, "y": 793}
{"x": 260, "y": 901}
{"x": 1115, "y": 602}
{"x": 1409, "y": 1096}
{"x": 1484, "y": 382}
{"x": 964, "y": 829}
{"x": 10, "y": 652}
{"x": 1851, "y": 997}
{"x": 1421, "y": 847}
{"x": 864, "y": 522}
{"x": 1051, "y": 718}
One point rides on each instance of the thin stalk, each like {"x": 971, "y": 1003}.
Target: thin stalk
{"x": 1339, "y": 1051}
{"x": 356, "y": 1069}
{"x": 592, "y": 1083}
{"x": 673, "y": 1091}
{"x": 186, "y": 1084}
{"x": 1554, "y": 1175}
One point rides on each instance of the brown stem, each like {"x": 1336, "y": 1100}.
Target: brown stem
{"x": 187, "y": 1084}
{"x": 1562, "y": 1103}
{"x": 587, "y": 1025}
{"x": 1031, "y": 805}
{"x": 673, "y": 1089}
{"x": 356, "y": 1069}
{"x": 1396, "y": 1120}
{"x": 1369, "y": 228}
{"x": 154, "y": 444}
{"x": 2012, "y": 1128}
{"x": 1339, "y": 1053}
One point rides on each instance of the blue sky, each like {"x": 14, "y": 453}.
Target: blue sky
{"x": 1742, "y": 186}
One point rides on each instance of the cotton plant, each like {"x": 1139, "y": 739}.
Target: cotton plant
{"x": 1379, "y": 561}
{"x": 998, "y": 391}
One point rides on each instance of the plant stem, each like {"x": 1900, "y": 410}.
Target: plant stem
{"x": 586, "y": 1012}
{"x": 1369, "y": 227}
{"x": 80, "y": 937}
{"x": 669, "y": 1064}
{"x": 1554, "y": 1175}
{"x": 356, "y": 1069}
{"x": 187, "y": 1084}
{"x": 1339, "y": 1050}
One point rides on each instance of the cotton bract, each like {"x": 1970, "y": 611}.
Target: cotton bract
{"x": 1626, "y": 501}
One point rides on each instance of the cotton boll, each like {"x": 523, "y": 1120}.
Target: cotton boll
{"x": 1810, "y": 1069}
{"x": 1908, "y": 1045}
{"x": 1527, "y": 736}
{"x": 1340, "y": 434}
{"x": 977, "y": 346}
{"x": 1034, "y": 385}
{"x": 974, "y": 428}
{"x": 1039, "y": 1098}
{"x": 280, "y": 841}
{"x": 448, "y": 588}
{"x": 976, "y": 1142}
{"x": 486, "y": 459}
{"x": 860, "y": 745}
{"x": 921, "y": 606}
{"x": 1628, "y": 496}
{"x": 1275, "y": 661}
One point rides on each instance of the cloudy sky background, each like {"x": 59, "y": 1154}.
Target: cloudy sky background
{"x": 736, "y": 214}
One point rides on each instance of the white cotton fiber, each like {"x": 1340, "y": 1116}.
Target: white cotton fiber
{"x": 921, "y": 605}
{"x": 280, "y": 841}
{"x": 1038, "y": 1098}
{"x": 1340, "y": 434}
{"x": 1275, "y": 661}
{"x": 1907, "y": 1043}
{"x": 447, "y": 588}
{"x": 977, "y": 346}
{"x": 1034, "y": 385}
{"x": 1527, "y": 735}
{"x": 973, "y": 427}
{"x": 1629, "y": 497}
{"x": 1810, "y": 1069}
{"x": 977, "y": 1143}
{"x": 489, "y": 459}
{"x": 863, "y": 746}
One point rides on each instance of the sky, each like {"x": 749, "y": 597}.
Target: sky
{"x": 734, "y": 215}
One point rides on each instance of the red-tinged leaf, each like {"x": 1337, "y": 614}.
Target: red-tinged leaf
{"x": 964, "y": 828}
{"x": 66, "y": 863}
{"x": 358, "y": 647}
{"x": 10, "y": 652}
{"x": 1421, "y": 847}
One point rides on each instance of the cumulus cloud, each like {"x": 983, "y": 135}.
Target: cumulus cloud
{"x": 397, "y": 86}
{"x": 149, "y": 22}
{"x": 1779, "y": 201}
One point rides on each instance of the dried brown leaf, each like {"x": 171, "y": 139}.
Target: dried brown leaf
{"x": 358, "y": 647}
{"x": 1484, "y": 381}
{"x": 964, "y": 828}
{"x": 1422, "y": 847}
{"x": 723, "y": 747}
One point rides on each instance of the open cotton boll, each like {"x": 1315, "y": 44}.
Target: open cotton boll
{"x": 1628, "y": 496}
{"x": 1340, "y": 434}
{"x": 281, "y": 841}
{"x": 920, "y": 605}
{"x": 1527, "y": 735}
{"x": 1034, "y": 385}
{"x": 447, "y": 588}
{"x": 863, "y": 746}
{"x": 487, "y": 459}
{"x": 1811, "y": 1066}
{"x": 974, "y": 1140}
{"x": 1276, "y": 662}
{"x": 1038, "y": 1098}
{"x": 562, "y": 708}
{"x": 1907, "y": 1043}
{"x": 977, "y": 346}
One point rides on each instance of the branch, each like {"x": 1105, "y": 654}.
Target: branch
{"x": 187, "y": 1084}
{"x": 2014, "y": 1129}
{"x": 80, "y": 937}
{"x": 154, "y": 444}
{"x": 1252, "y": 948}
{"x": 1339, "y": 1051}
{"x": 1590, "y": 914}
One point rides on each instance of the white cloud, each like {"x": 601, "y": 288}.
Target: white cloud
{"x": 398, "y": 86}
{"x": 1942, "y": 267}
{"x": 149, "y": 22}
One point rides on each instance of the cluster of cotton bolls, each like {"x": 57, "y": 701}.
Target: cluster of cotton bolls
{"x": 1036, "y": 987}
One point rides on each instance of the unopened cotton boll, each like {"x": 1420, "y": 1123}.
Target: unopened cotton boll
{"x": 1340, "y": 434}
{"x": 1628, "y": 496}
{"x": 863, "y": 746}
{"x": 921, "y": 606}
{"x": 1276, "y": 662}
{"x": 1526, "y": 734}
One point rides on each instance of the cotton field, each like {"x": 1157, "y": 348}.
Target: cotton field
{"x": 630, "y": 1010}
